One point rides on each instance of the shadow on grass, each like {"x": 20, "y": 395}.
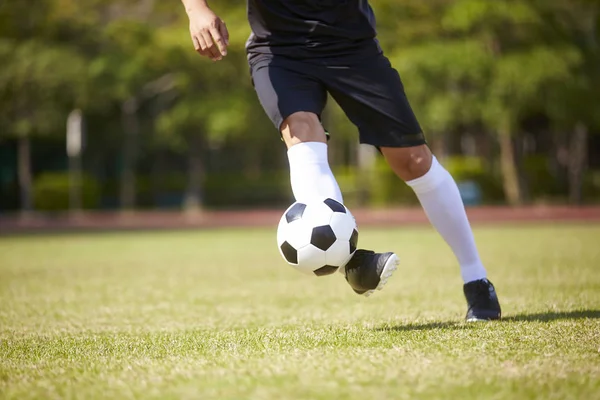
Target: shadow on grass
{"x": 537, "y": 317}
{"x": 555, "y": 315}
{"x": 424, "y": 327}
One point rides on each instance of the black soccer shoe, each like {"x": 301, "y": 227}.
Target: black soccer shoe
{"x": 368, "y": 271}
{"x": 482, "y": 301}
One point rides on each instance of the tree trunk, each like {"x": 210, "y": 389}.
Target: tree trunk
{"x": 510, "y": 171}
{"x": 24, "y": 172}
{"x": 131, "y": 131}
{"x": 524, "y": 186}
{"x": 252, "y": 169}
{"x": 439, "y": 145}
{"x": 367, "y": 160}
{"x": 487, "y": 151}
{"x": 559, "y": 159}
{"x": 158, "y": 179}
{"x": 577, "y": 163}
{"x": 193, "y": 197}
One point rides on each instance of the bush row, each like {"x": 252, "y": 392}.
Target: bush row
{"x": 378, "y": 187}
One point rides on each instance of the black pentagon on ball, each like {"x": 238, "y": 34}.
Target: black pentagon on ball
{"x": 322, "y": 237}
{"x": 290, "y": 253}
{"x": 295, "y": 212}
{"x": 326, "y": 270}
{"x": 335, "y": 205}
{"x": 353, "y": 241}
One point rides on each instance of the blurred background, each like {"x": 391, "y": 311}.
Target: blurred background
{"x": 104, "y": 105}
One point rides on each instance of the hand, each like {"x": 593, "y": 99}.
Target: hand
{"x": 209, "y": 34}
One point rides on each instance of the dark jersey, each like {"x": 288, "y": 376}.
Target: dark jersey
{"x": 312, "y": 28}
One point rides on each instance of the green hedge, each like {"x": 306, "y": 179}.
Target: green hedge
{"x": 220, "y": 190}
{"x": 376, "y": 188}
{"x": 472, "y": 169}
{"x": 591, "y": 186}
{"x": 386, "y": 189}
{"x": 51, "y": 192}
{"x": 235, "y": 190}
{"x": 541, "y": 182}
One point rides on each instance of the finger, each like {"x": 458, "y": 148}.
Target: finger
{"x": 202, "y": 47}
{"x": 210, "y": 46}
{"x": 201, "y": 44}
{"x": 218, "y": 39}
{"x": 196, "y": 44}
{"x": 224, "y": 32}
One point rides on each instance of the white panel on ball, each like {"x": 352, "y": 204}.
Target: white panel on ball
{"x": 343, "y": 225}
{"x": 339, "y": 253}
{"x": 317, "y": 214}
{"x": 298, "y": 233}
{"x": 282, "y": 231}
{"x": 310, "y": 258}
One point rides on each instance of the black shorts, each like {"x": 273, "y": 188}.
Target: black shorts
{"x": 370, "y": 92}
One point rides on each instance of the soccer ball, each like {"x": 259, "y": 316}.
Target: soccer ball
{"x": 317, "y": 237}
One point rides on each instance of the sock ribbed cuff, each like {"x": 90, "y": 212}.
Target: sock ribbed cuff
{"x": 431, "y": 180}
{"x": 308, "y": 153}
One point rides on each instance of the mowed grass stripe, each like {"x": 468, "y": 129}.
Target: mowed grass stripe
{"x": 216, "y": 314}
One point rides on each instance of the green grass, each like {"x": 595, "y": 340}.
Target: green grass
{"x": 217, "y": 315}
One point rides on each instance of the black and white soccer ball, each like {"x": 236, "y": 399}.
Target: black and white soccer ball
{"x": 317, "y": 237}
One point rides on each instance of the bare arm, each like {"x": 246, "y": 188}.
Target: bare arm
{"x": 209, "y": 33}
{"x": 194, "y": 4}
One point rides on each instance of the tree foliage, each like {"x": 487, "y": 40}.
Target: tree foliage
{"x": 466, "y": 64}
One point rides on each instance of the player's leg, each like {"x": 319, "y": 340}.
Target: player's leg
{"x": 293, "y": 98}
{"x": 372, "y": 95}
{"x": 311, "y": 176}
{"x": 439, "y": 196}
{"x": 310, "y": 173}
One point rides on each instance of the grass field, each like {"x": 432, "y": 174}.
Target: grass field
{"x": 217, "y": 315}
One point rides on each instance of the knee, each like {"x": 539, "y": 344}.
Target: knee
{"x": 302, "y": 127}
{"x": 409, "y": 163}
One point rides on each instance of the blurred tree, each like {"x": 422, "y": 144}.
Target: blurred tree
{"x": 210, "y": 102}
{"x": 487, "y": 62}
{"x": 524, "y": 68}
{"x": 130, "y": 66}
{"x": 573, "y": 108}
{"x": 39, "y": 81}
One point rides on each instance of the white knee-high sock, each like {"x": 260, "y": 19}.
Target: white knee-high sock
{"x": 440, "y": 198}
{"x": 310, "y": 174}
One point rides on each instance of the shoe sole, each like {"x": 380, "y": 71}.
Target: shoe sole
{"x": 478, "y": 320}
{"x": 388, "y": 270}
{"x": 474, "y": 319}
